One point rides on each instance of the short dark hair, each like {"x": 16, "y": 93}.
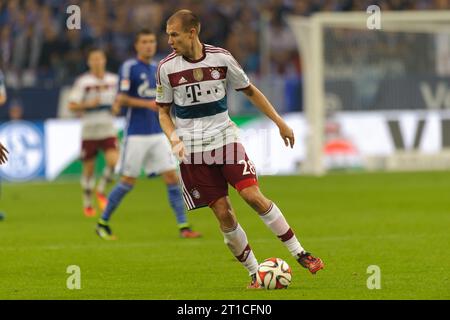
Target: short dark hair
{"x": 143, "y": 32}
{"x": 188, "y": 20}
{"x": 94, "y": 49}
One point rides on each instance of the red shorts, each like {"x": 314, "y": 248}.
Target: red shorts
{"x": 205, "y": 177}
{"x": 90, "y": 148}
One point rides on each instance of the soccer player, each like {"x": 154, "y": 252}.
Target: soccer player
{"x": 193, "y": 78}
{"x": 145, "y": 145}
{"x": 93, "y": 95}
{"x": 3, "y": 151}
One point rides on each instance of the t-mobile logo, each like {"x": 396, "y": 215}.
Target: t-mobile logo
{"x": 193, "y": 91}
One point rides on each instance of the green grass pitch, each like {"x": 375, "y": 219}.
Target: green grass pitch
{"x": 397, "y": 221}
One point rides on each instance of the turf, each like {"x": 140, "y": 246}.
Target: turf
{"x": 398, "y": 221}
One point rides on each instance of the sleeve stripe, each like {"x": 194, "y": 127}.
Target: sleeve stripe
{"x": 126, "y": 68}
{"x": 168, "y": 58}
{"x": 240, "y": 89}
{"x": 218, "y": 51}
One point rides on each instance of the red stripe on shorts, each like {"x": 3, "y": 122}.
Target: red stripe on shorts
{"x": 246, "y": 183}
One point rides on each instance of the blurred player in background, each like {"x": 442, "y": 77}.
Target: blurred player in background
{"x": 194, "y": 78}
{"x": 145, "y": 146}
{"x": 93, "y": 95}
{"x": 3, "y": 151}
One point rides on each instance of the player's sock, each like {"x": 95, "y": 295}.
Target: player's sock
{"x": 87, "y": 184}
{"x": 237, "y": 242}
{"x": 177, "y": 204}
{"x": 276, "y": 222}
{"x": 115, "y": 197}
{"x": 105, "y": 179}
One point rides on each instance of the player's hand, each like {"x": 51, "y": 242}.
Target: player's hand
{"x": 152, "y": 105}
{"x": 287, "y": 134}
{"x": 121, "y": 99}
{"x": 115, "y": 108}
{"x": 3, "y": 154}
{"x": 179, "y": 150}
{"x": 93, "y": 103}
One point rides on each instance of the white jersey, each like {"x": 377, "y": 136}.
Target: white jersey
{"x": 98, "y": 123}
{"x": 198, "y": 90}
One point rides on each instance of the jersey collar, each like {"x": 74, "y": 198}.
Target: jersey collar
{"x": 198, "y": 60}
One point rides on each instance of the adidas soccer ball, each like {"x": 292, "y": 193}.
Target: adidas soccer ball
{"x": 274, "y": 273}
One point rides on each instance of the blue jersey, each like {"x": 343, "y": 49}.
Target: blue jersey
{"x": 137, "y": 79}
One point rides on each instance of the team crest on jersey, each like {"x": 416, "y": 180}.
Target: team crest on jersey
{"x": 215, "y": 74}
{"x": 196, "y": 194}
{"x": 198, "y": 74}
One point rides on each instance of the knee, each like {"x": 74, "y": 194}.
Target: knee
{"x": 112, "y": 160}
{"x": 222, "y": 212}
{"x": 88, "y": 169}
{"x": 255, "y": 199}
{"x": 128, "y": 180}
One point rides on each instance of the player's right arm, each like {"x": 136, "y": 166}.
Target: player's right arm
{"x": 168, "y": 127}
{"x": 164, "y": 100}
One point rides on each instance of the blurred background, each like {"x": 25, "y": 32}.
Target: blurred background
{"x": 39, "y": 55}
{"x": 364, "y": 70}
{"x": 362, "y": 103}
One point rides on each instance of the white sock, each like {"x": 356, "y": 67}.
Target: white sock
{"x": 276, "y": 222}
{"x": 237, "y": 242}
{"x": 87, "y": 184}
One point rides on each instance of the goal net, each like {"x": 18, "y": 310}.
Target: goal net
{"x": 375, "y": 99}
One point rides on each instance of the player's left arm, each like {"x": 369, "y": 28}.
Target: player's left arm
{"x": 238, "y": 80}
{"x": 258, "y": 99}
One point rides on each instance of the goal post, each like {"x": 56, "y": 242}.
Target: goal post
{"x": 361, "y": 79}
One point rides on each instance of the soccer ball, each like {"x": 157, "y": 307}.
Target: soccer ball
{"x": 274, "y": 273}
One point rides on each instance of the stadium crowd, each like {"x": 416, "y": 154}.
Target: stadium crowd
{"x": 36, "y": 48}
